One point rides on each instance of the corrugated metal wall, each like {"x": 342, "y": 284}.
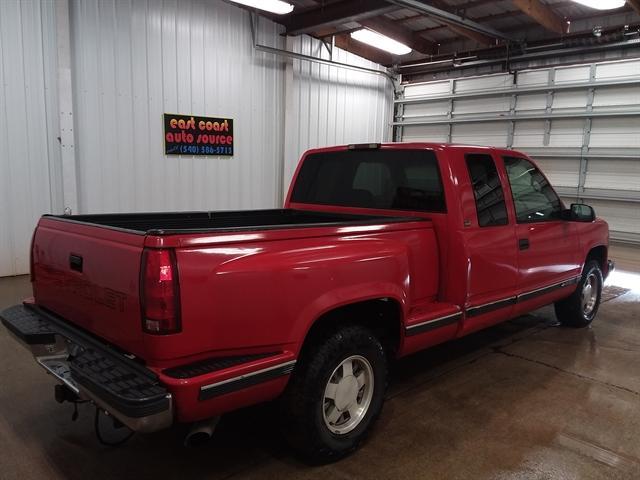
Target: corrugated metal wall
{"x": 135, "y": 60}
{"x": 141, "y": 59}
{"x": 580, "y": 122}
{"x": 131, "y": 62}
{"x": 327, "y": 105}
{"x": 29, "y": 155}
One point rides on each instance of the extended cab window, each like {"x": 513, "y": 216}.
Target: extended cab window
{"x": 384, "y": 179}
{"x": 533, "y": 197}
{"x": 487, "y": 190}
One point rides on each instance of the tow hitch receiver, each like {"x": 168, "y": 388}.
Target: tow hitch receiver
{"x": 65, "y": 394}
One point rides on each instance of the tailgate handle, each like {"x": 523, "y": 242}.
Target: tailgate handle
{"x": 75, "y": 262}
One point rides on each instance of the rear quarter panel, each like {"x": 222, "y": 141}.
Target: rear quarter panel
{"x": 264, "y": 296}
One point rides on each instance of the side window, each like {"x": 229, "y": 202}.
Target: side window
{"x": 533, "y": 197}
{"x": 487, "y": 190}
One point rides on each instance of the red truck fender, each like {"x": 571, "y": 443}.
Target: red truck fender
{"x": 387, "y": 295}
{"x": 354, "y": 288}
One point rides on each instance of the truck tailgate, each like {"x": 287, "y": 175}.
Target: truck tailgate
{"x": 90, "y": 275}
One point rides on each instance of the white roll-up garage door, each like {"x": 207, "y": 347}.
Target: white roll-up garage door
{"x": 581, "y": 123}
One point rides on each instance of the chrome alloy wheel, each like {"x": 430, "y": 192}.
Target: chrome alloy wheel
{"x": 348, "y": 395}
{"x": 589, "y": 294}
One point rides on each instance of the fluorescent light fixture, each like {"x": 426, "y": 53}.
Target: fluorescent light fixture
{"x": 380, "y": 41}
{"x": 602, "y": 4}
{"x": 274, "y": 6}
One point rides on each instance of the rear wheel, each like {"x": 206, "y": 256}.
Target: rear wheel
{"x": 336, "y": 394}
{"x": 579, "y": 309}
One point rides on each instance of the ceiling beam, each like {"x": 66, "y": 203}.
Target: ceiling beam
{"x": 400, "y": 34}
{"x": 498, "y": 16}
{"x": 475, "y": 3}
{"x": 461, "y": 30}
{"x": 544, "y": 15}
{"x": 345, "y": 42}
{"x": 498, "y": 51}
{"x": 519, "y": 29}
{"x": 459, "y": 8}
{"x": 444, "y": 16}
{"x": 481, "y": 38}
{"x": 488, "y": 18}
{"x": 334, "y": 14}
{"x": 635, "y": 4}
{"x": 327, "y": 32}
{"x": 575, "y": 34}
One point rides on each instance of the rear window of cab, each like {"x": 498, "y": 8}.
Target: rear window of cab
{"x": 379, "y": 179}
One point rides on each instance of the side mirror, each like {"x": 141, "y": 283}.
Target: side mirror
{"x": 579, "y": 212}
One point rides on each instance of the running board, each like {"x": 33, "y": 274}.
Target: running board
{"x": 428, "y": 317}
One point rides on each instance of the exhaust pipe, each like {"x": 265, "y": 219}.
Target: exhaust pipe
{"x": 200, "y": 432}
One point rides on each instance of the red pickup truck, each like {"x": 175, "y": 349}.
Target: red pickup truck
{"x": 380, "y": 251}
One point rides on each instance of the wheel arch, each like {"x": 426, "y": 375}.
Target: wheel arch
{"x": 598, "y": 253}
{"x": 383, "y": 315}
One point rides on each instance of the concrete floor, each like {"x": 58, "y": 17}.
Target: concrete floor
{"x": 627, "y": 257}
{"x": 523, "y": 400}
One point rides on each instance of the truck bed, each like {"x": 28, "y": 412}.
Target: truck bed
{"x": 87, "y": 268}
{"x": 191, "y": 222}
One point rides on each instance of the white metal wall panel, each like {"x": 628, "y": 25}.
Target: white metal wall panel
{"x": 572, "y": 74}
{"x": 481, "y": 105}
{"x": 618, "y": 70}
{"x": 561, "y": 172}
{"x": 533, "y": 77}
{"x": 501, "y": 80}
{"x": 494, "y": 134}
{"x": 627, "y": 97}
{"x": 616, "y": 133}
{"x": 529, "y": 134}
{"x": 423, "y": 89}
{"x": 612, "y": 174}
{"x": 623, "y": 218}
{"x": 566, "y": 133}
{"x": 29, "y": 164}
{"x": 435, "y": 109}
{"x": 531, "y": 102}
{"x": 597, "y": 159}
{"x": 429, "y": 133}
{"x": 133, "y": 61}
{"x": 327, "y": 105}
{"x": 570, "y": 100}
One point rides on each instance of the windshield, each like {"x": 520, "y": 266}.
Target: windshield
{"x": 381, "y": 179}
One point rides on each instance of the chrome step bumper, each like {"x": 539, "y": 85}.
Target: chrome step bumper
{"x": 93, "y": 370}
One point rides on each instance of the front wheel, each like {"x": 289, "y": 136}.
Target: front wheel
{"x": 579, "y": 309}
{"x": 335, "y": 395}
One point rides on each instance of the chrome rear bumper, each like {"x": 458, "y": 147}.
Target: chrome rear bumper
{"x": 126, "y": 389}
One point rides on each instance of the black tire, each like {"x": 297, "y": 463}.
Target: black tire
{"x": 570, "y": 311}
{"x": 304, "y": 403}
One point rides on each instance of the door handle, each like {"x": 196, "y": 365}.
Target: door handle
{"x": 523, "y": 243}
{"x": 75, "y": 262}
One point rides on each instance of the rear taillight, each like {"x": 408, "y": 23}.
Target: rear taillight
{"x": 159, "y": 294}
